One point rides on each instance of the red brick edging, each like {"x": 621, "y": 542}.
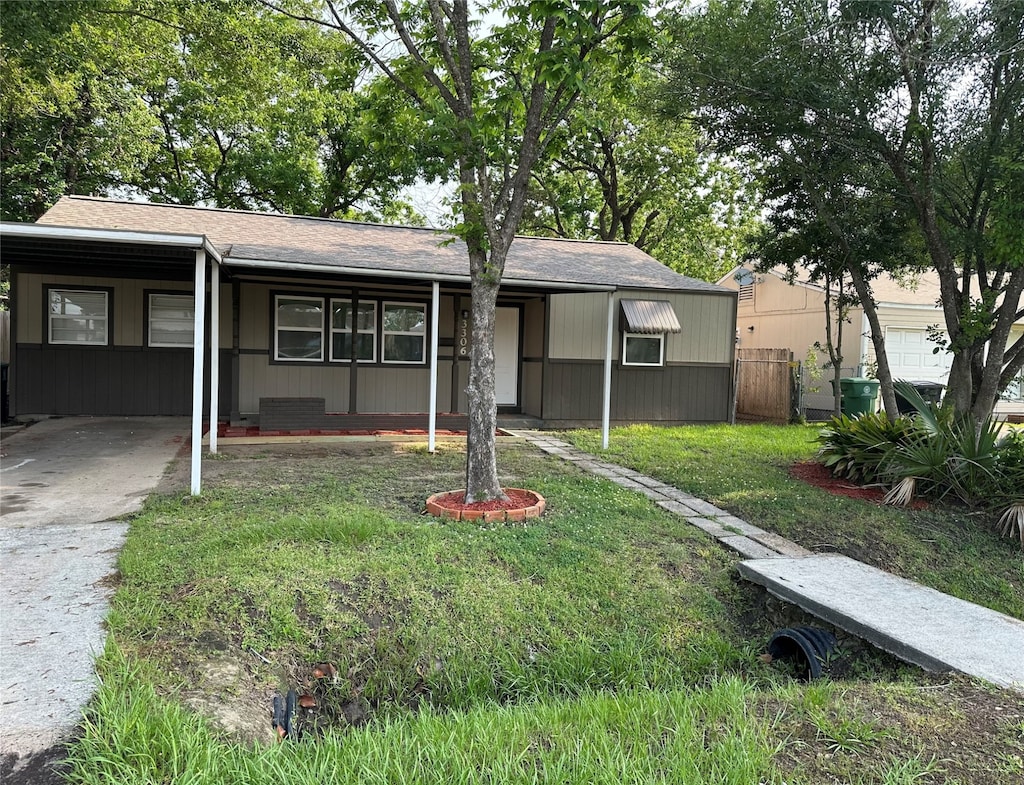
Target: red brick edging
{"x": 487, "y": 516}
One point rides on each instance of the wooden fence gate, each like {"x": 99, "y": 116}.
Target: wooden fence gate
{"x": 765, "y": 385}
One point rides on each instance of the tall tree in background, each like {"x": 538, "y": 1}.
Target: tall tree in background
{"x": 919, "y": 103}
{"x": 218, "y": 103}
{"x": 494, "y": 94}
{"x": 617, "y": 170}
{"x": 69, "y": 121}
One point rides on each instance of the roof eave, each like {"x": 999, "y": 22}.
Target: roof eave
{"x": 126, "y": 236}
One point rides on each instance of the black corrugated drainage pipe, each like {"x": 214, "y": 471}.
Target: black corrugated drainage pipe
{"x": 809, "y": 648}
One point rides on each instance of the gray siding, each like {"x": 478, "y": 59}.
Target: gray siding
{"x": 394, "y": 389}
{"x": 675, "y": 393}
{"x": 108, "y": 381}
{"x": 708, "y": 322}
{"x": 533, "y": 328}
{"x": 578, "y": 326}
{"x": 259, "y": 378}
{"x": 533, "y": 386}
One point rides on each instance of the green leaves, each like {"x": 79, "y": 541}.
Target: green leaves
{"x": 935, "y": 454}
{"x": 219, "y": 103}
{"x": 857, "y": 447}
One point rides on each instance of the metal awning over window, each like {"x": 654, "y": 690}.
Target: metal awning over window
{"x": 650, "y": 317}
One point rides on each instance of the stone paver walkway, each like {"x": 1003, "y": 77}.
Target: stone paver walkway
{"x": 735, "y": 533}
{"x": 913, "y": 622}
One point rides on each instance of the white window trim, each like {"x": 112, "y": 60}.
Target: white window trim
{"x": 277, "y": 328}
{"x": 50, "y": 317}
{"x": 333, "y": 331}
{"x": 385, "y": 333}
{"x": 149, "y": 320}
{"x": 661, "y": 347}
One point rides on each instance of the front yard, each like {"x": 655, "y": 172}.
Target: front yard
{"x": 606, "y": 642}
{"x": 745, "y": 469}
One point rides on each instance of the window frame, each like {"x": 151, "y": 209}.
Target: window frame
{"x": 108, "y": 298}
{"x": 648, "y": 336}
{"x": 332, "y": 330}
{"x": 321, "y": 331}
{"x": 384, "y": 333}
{"x": 149, "y": 295}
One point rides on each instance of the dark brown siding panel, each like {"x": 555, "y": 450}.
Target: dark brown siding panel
{"x": 675, "y": 393}
{"x": 110, "y": 381}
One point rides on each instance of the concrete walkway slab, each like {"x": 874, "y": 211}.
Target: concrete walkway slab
{"x": 913, "y": 622}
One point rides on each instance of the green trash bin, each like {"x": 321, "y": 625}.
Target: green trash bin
{"x": 859, "y": 395}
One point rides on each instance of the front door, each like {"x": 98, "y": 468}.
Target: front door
{"x": 506, "y": 356}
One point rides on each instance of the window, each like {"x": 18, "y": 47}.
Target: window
{"x": 171, "y": 319}
{"x": 404, "y": 331}
{"x": 298, "y": 328}
{"x": 640, "y": 349}
{"x": 78, "y": 317}
{"x": 341, "y": 331}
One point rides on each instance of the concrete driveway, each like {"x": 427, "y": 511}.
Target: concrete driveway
{"x": 63, "y": 482}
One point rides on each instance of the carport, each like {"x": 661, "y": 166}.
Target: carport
{"x": 119, "y": 251}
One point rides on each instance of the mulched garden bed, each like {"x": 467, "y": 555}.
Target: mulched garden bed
{"x": 819, "y": 475}
{"x": 519, "y": 505}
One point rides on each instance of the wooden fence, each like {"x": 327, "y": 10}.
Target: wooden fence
{"x": 765, "y": 385}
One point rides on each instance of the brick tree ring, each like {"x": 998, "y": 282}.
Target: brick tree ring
{"x": 522, "y": 504}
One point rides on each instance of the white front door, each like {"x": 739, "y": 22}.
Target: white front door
{"x": 506, "y": 356}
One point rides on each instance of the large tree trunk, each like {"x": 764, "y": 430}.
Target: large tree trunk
{"x": 990, "y": 386}
{"x": 867, "y": 302}
{"x": 834, "y": 343}
{"x": 481, "y": 464}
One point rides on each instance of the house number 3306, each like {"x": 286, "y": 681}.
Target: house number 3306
{"x": 464, "y": 334}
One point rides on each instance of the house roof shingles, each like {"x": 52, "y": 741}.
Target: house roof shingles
{"x": 240, "y": 236}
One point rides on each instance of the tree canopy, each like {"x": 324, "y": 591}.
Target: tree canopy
{"x": 907, "y": 110}
{"x": 619, "y": 170}
{"x": 219, "y": 103}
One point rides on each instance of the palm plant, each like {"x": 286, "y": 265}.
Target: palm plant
{"x": 943, "y": 454}
{"x": 855, "y": 447}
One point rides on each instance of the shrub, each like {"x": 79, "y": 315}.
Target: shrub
{"x": 945, "y": 454}
{"x": 934, "y": 454}
{"x": 855, "y": 447}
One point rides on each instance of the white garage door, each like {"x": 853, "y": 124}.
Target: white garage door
{"x": 912, "y": 355}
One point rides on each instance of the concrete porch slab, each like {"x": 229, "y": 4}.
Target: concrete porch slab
{"x": 912, "y": 622}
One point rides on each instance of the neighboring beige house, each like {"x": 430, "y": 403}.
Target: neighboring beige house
{"x": 772, "y": 313}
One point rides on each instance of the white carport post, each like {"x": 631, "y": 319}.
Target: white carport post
{"x": 198, "y": 346}
{"x": 214, "y": 350}
{"x": 606, "y": 406}
{"x": 435, "y": 309}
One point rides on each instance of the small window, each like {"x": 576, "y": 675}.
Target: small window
{"x": 341, "y": 331}
{"x": 642, "y": 349}
{"x": 78, "y": 317}
{"x": 171, "y": 319}
{"x": 299, "y": 328}
{"x": 404, "y": 333}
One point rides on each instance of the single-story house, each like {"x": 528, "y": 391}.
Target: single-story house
{"x": 313, "y": 318}
{"x": 775, "y": 313}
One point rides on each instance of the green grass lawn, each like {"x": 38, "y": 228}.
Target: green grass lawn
{"x": 606, "y": 642}
{"x": 744, "y": 469}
